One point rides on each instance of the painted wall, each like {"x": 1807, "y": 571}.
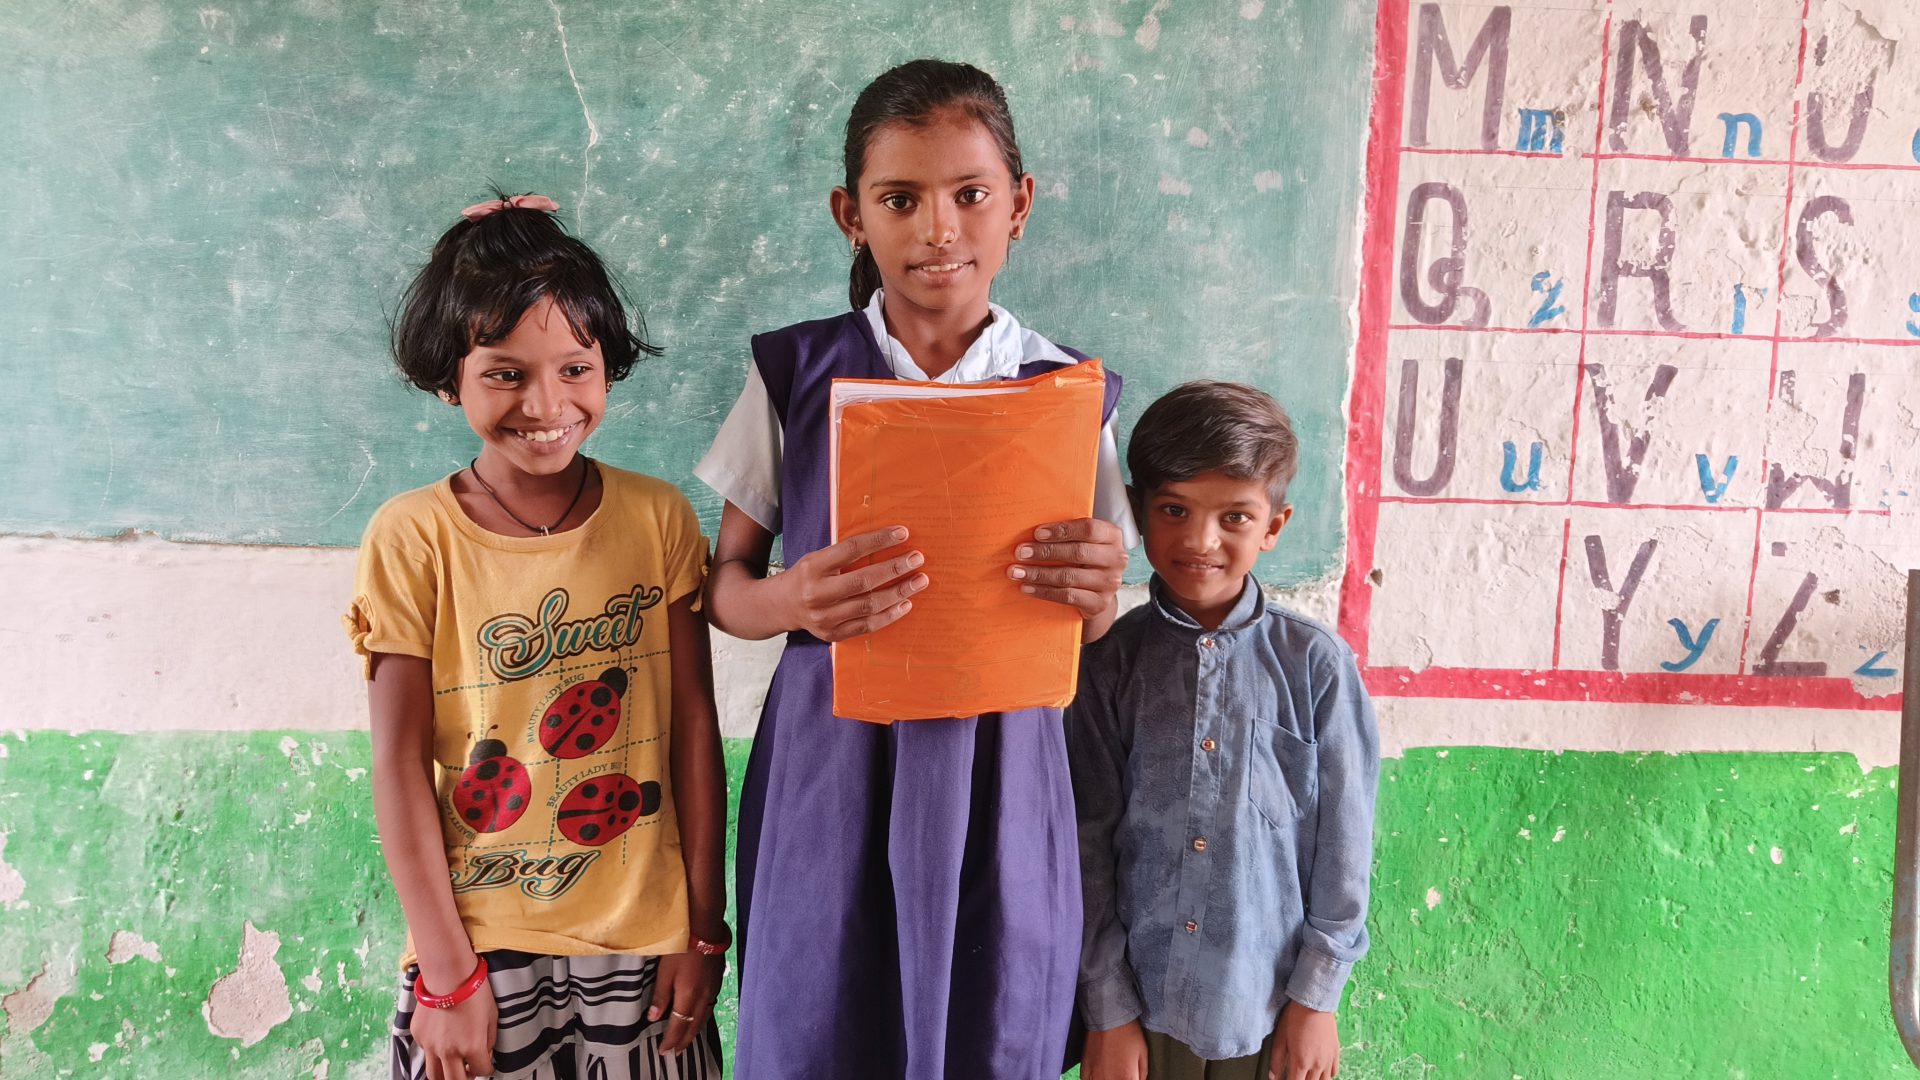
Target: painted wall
{"x": 1626, "y": 828}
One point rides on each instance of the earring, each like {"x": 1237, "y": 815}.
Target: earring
{"x": 1018, "y": 231}
{"x": 448, "y": 397}
{"x": 856, "y": 246}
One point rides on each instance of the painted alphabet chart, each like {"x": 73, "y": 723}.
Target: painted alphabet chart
{"x": 1636, "y": 411}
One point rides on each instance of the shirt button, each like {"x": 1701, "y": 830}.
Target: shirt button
{"x": 1199, "y": 843}
{"x": 1192, "y": 926}
{"x": 1208, "y": 745}
{"x": 1206, "y": 643}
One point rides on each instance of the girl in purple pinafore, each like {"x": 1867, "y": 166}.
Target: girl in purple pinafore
{"x": 909, "y": 894}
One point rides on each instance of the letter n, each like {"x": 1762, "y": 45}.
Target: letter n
{"x": 1489, "y": 46}
{"x": 1676, "y": 116}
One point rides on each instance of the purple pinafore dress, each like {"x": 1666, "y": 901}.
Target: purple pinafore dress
{"x": 909, "y": 894}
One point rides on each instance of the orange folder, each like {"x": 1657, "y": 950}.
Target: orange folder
{"x": 970, "y": 470}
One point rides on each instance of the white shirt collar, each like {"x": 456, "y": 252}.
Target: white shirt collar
{"x": 997, "y": 353}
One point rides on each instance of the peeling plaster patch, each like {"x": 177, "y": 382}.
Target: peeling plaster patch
{"x": 12, "y": 885}
{"x": 1559, "y": 835}
{"x": 1433, "y": 899}
{"x": 1252, "y": 9}
{"x": 1270, "y": 180}
{"x": 126, "y": 945}
{"x": 1102, "y": 25}
{"x": 97, "y": 1051}
{"x": 1173, "y": 185}
{"x": 247, "y": 1003}
{"x": 311, "y": 981}
{"x": 1148, "y": 36}
{"x": 1776, "y": 855}
{"x": 1197, "y": 137}
{"x": 30, "y": 1006}
{"x": 1851, "y": 828}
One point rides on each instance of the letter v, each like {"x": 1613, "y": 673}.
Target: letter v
{"x": 1710, "y": 487}
{"x": 1623, "y": 469}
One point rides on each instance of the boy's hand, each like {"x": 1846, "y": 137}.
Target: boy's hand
{"x": 458, "y": 1042}
{"x": 834, "y": 604}
{"x": 684, "y": 990}
{"x": 1116, "y": 1054}
{"x": 1306, "y": 1045}
{"x": 1089, "y": 558}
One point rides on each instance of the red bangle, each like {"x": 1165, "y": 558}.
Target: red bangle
{"x": 431, "y": 1000}
{"x": 709, "y": 948}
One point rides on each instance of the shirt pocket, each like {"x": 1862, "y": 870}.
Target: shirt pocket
{"x": 1282, "y": 778}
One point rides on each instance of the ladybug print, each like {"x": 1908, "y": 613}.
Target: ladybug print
{"x": 493, "y": 791}
{"x": 599, "y": 809}
{"x": 584, "y": 716}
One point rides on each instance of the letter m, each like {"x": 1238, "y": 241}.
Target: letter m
{"x": 1489, "y": 47}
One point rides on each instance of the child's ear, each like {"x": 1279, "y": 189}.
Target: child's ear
{"x": 1022, "y": 203}
{"x": 1274, "y": 525}
{"x": 846, "y": 214}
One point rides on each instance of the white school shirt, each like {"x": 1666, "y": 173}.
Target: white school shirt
{"x": 743, "y": 465}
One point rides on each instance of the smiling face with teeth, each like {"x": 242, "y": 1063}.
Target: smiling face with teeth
{"x": 937, "y": 205}
{"x": 1203, "y": 535}
{"x": 533, "y": 396}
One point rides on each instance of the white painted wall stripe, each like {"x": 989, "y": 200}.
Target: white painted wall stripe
{"x": 144, "y": 635}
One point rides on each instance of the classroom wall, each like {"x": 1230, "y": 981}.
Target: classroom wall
{"x": 1637, "y": 813}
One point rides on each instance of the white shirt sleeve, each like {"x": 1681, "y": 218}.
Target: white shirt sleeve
{"x": 1110, "y": 502}
{"x": 743, "y": 465}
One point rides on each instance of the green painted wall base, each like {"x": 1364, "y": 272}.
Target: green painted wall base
{"x": 1535, "y": 915}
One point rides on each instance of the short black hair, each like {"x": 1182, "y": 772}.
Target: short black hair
{"x": 483, "y": 276}
{"x": 1212, "y": 426}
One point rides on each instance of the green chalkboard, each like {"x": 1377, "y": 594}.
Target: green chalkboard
{"x": 211, "y": 206}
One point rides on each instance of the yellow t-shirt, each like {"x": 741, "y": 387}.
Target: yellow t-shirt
{"x": 552, "y": 708}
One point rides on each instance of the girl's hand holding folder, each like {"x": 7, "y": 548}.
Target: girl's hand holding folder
{"x": 1081, "y": 565}
{"x": 832, "y": 603}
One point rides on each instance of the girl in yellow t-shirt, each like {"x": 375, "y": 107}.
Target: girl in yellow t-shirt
{"x": 546, "y": 757}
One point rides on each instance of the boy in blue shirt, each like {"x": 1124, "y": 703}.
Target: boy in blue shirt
{"x": 1224, "y": 765}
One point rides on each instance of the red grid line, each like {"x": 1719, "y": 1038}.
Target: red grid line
{"x": 1779, "y": 308}
{"x": 1626, "y": 687}
{"x": 1586, "y": 304}
{"x": 1679, "y": 335}
{"x": 1366, "y": 433}
{"x": 1842, "y": 166}
{"x": 1560, "y": 588}
{"x": 1590, "y": 504}
{"x": 1376, "y": 312}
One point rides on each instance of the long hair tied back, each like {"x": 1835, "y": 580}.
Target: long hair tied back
{"x": 914, "y": 93}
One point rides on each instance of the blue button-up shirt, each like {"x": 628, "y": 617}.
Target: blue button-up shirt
{"x": 1225, "y": 782}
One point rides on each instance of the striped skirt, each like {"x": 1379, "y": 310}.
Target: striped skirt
{"x": 570, "y": 1018}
